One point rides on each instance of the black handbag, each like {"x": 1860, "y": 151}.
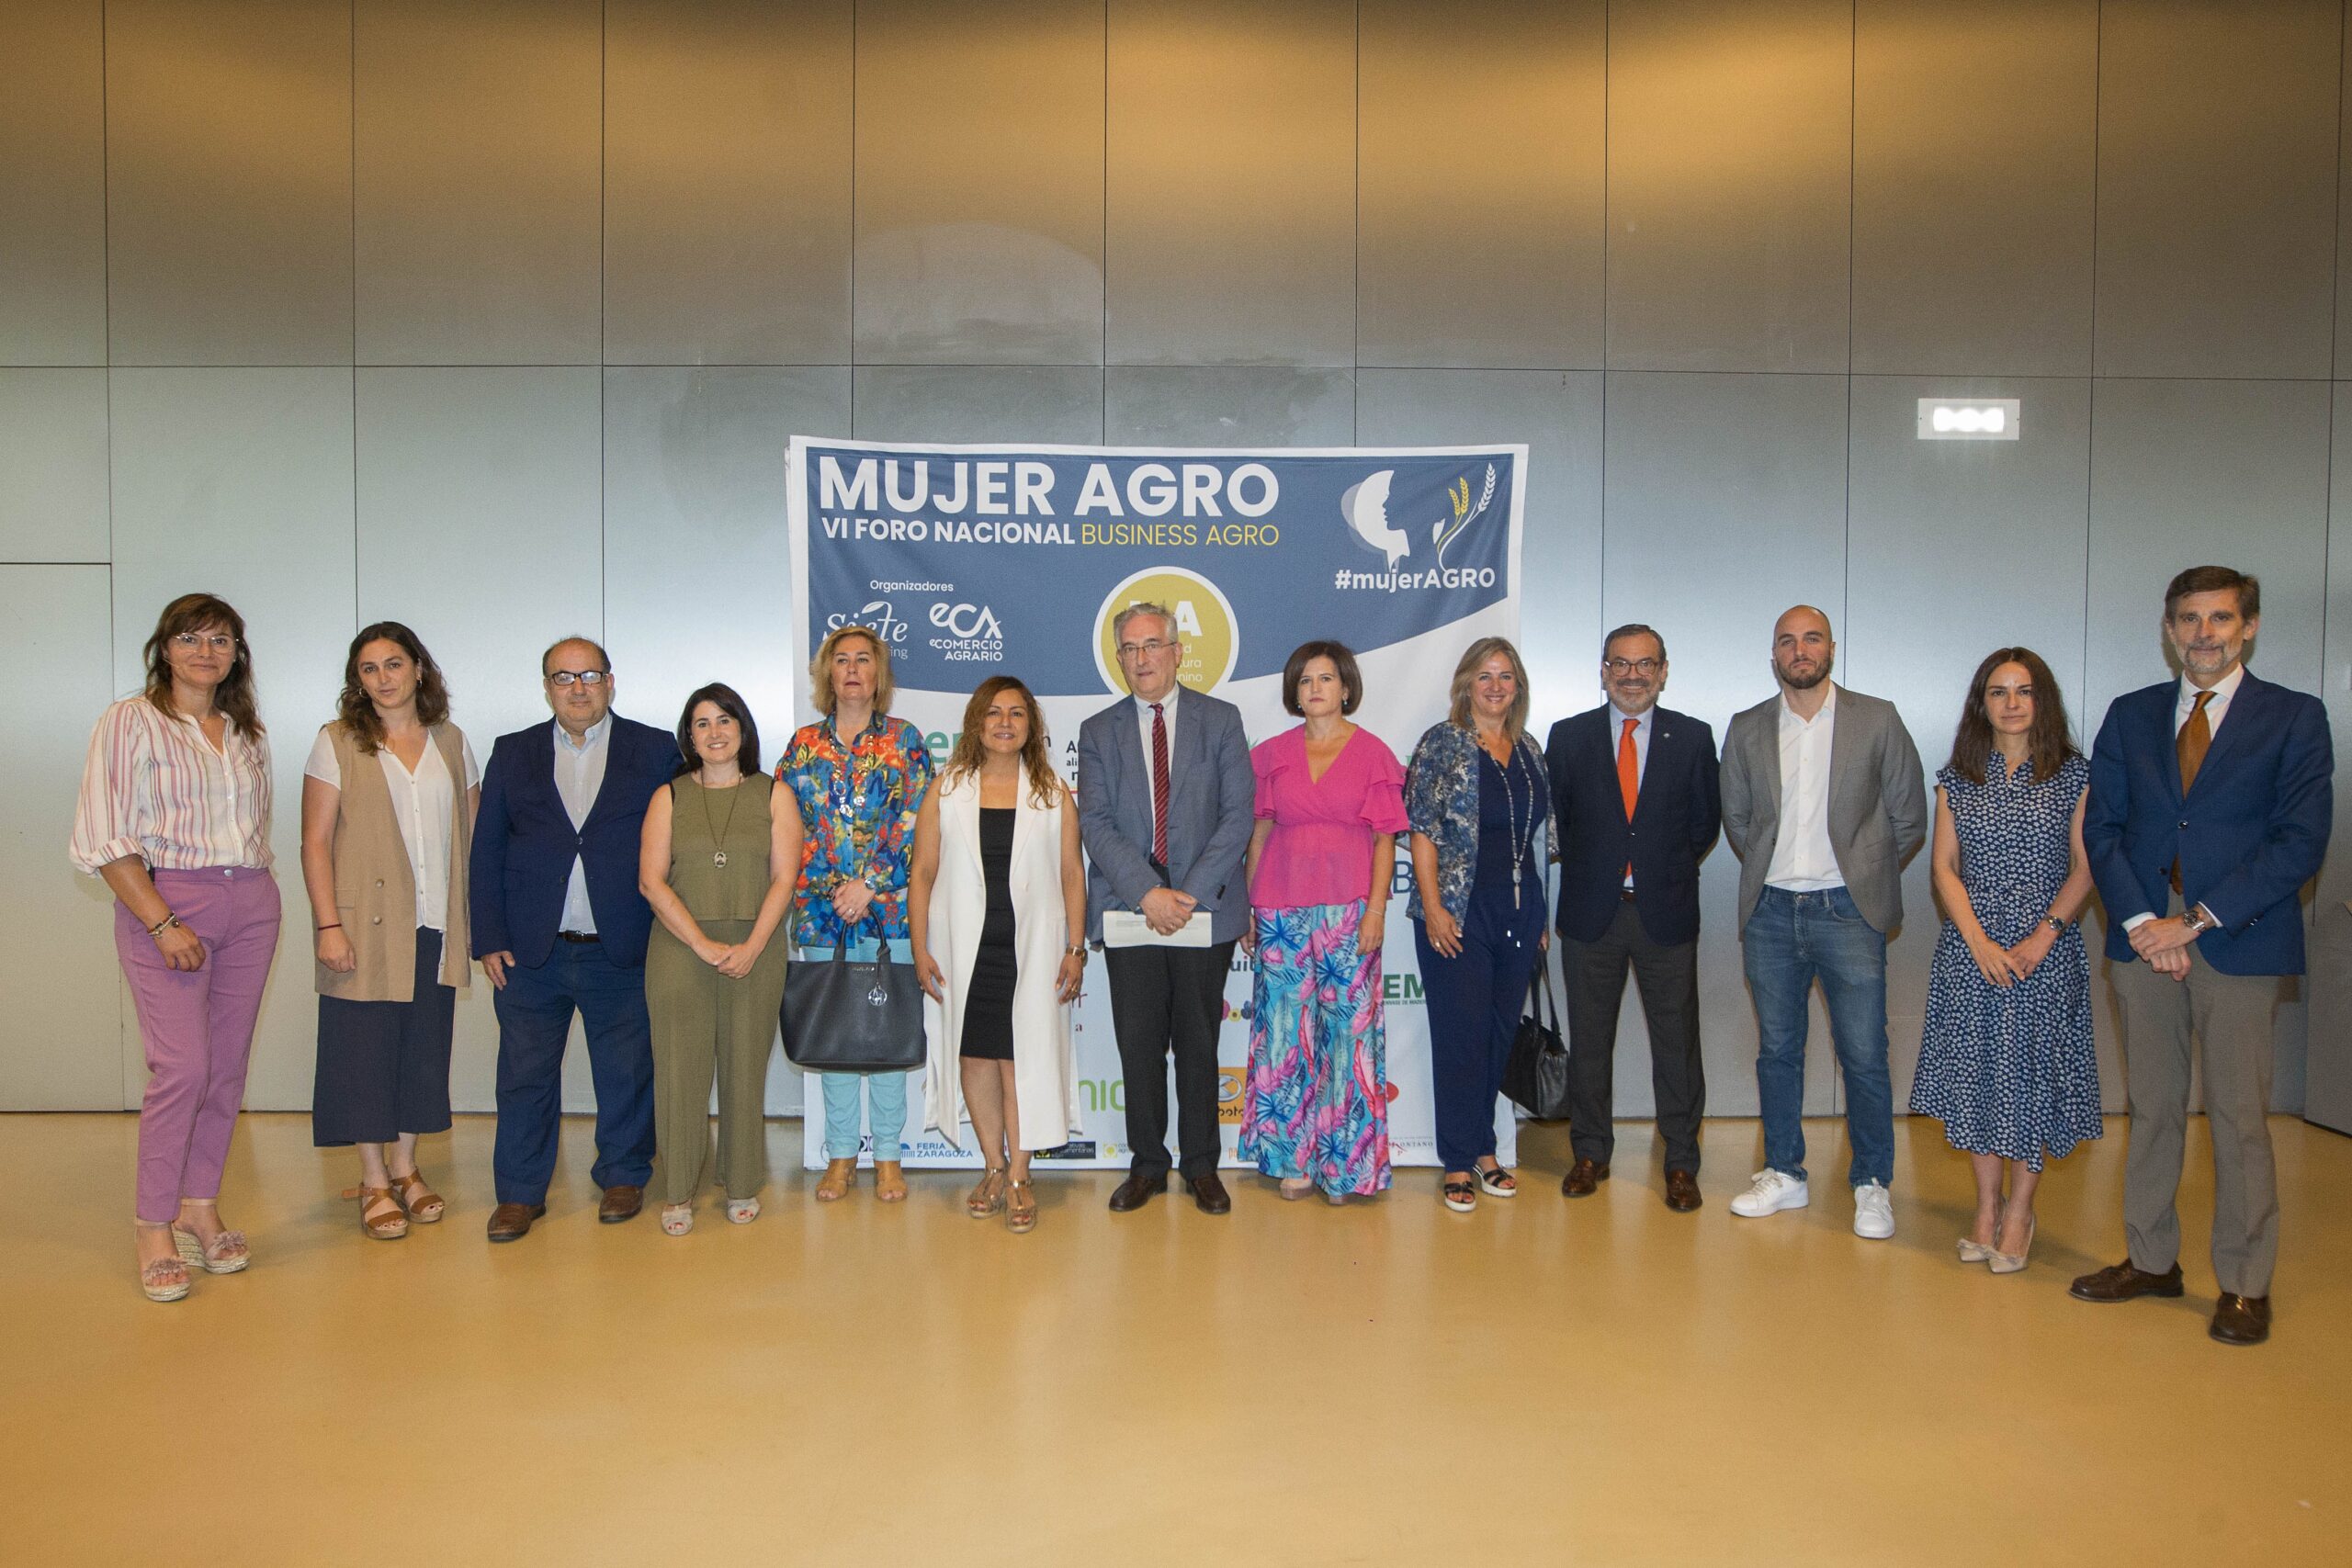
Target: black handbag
{"x": 846, "y": 1015}
{"x": 1536, "y": 1076}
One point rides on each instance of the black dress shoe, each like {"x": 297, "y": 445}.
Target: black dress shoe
{"x": 2241, "y": 1320}
{"x": 1136, "y": 1191}
{"x": 2121, "y": 1281}
{"x": 1209, "y": 1194}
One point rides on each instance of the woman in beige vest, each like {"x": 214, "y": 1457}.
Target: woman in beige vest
{"x": 718, "y": 867}
{"x": 389, "y": 797}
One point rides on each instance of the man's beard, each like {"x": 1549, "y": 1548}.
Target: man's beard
{"x": 1806, "y": 682}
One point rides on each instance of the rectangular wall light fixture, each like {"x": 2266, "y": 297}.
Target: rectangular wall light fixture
{"x": 1968, "y": 418}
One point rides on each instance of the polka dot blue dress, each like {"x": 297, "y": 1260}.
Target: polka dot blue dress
{"x": 2011, "y": 1071}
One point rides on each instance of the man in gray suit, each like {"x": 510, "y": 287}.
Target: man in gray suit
{"x": 1165, "y": 804}
{"x": 1823, "y": 803}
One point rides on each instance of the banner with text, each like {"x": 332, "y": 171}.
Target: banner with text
{"x": 972, "y": 561}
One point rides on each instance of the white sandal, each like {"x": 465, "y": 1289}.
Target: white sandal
{"x": 677, "y": 1219}
{"x": 742, "y": 1210}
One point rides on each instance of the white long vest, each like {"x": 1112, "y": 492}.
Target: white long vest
{"x": 1044, "y": 1065}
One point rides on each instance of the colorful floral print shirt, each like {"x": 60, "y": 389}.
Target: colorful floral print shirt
{"x": 858, "y": 801}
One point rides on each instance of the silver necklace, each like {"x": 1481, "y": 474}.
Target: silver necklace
{"x": 1510, "y": 809}
{"x": 719, "y": 855}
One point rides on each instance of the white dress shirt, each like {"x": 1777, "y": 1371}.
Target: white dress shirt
{"x": 1642, "y": 726}
{"x": 423, "y": 807}
{"x": 1802, "y": 858}
{"x": 1143, "y": 729}
{"x": 578, "y": 776}
{"x": 2215, "y": 711}
{"x": 154, "y": 787}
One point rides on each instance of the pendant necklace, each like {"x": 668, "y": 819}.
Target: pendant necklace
{"x": 1510, "y": 800}
{"x": 718, "y": 835}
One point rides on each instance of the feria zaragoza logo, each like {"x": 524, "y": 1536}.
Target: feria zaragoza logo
{"x": 1365, "y": 506}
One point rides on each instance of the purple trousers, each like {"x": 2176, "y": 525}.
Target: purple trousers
{"x": 198, "y": 1027}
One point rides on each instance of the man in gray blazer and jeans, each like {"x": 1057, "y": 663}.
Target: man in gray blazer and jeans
{"x": 1823, "y": 803}
{"x": 1165, "y": 804}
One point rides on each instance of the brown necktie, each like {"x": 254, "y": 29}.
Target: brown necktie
{"x": 2196, "y": 739}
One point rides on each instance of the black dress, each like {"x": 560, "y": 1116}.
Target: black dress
{"x": 987, "y": 1005}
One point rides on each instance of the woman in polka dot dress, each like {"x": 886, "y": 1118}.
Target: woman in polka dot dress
{"x": 2006, "y": 1060}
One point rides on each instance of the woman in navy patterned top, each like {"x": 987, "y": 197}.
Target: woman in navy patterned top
{"x": 2005, "y": 1060}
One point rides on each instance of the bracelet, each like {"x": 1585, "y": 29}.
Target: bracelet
{"x": 336, "y": 926}
{"x": 160, "y": 927}
{"x": 1075, "y": 949}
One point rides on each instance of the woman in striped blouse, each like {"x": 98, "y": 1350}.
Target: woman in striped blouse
{"x": 175, "y": 816}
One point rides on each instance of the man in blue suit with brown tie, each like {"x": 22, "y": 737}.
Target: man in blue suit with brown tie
{"x": 1636, "y": 803}
{"x": 2211, "y": 800}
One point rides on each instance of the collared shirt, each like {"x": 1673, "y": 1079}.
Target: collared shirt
{"x": 154, "y": 787}
{"x": 1143, "y": 729}
{"x": 858, "y": 803}
{"x": 1642, "y": 726}
{"x": 1803, "y": 859}
{"x": 423, "y": 807}
{"x": 2215, "y": 711}
{"x": 578, "y": 777}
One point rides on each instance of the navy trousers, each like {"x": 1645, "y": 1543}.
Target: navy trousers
{"x": 533, "y": 1024}
{"x": 1474, "y": 1002}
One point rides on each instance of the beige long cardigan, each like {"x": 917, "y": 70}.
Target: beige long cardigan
{"x": 375, "y": 891}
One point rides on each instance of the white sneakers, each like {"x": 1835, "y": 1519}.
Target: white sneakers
{"x": 1771, "y": 1191}
{"x": 1874, "y": 1212}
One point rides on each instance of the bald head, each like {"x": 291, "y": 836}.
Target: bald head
{"x": 1802, "y": 650}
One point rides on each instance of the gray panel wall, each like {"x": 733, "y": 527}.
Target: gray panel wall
{"x": 557, "y": 278}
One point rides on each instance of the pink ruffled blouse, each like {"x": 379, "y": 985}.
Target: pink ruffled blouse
{"x": 1321, "y": 848}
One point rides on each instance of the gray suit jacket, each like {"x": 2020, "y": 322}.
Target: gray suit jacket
{"x": 1211, "y": 809}
{"x": 1878, "y": 802}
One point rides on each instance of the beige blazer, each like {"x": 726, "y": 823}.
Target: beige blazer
{"x": 375, "y": 891}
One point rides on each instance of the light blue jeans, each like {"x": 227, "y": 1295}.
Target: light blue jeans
{"x": 884, "y": 1095}
{"x": 1792, "y": 940}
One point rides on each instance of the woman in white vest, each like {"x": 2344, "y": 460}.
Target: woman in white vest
{"x": 998, "y": 914}
{"x": 389, "y": 797}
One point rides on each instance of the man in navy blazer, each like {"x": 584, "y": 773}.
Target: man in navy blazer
{"x": 2210, "y": 806}
{"x": 559, "y": 926}
{"x": 1635, "y": 804}
{"x": 1166, "y": 801}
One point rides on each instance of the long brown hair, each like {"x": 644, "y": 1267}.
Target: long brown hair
{"x": 234, "y": 697}
{"x": 355, "y": 710}
{"x": 2048, "y": 743}
{"x": 1466, "y": 675}
{"x": 1035, "y": 759}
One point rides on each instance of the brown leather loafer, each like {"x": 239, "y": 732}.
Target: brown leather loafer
{"x": 620, "y": 1203}
{"x": 1209, "y": 1194}
{"x": 1682, "y": 1191}
{"x": 1136, "y": 1191}
{"x": 1583, "y": 1179}
{"x": 2241, "y": 1320}
{"x": 511, "y": 1222}
{"x": 2121, "y": 1281}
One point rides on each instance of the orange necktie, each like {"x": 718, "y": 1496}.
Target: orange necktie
{"x": 2196, "y": 739}
{"x": 1629, "y": 776}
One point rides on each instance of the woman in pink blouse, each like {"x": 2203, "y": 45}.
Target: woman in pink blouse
{"x": 175, "y": 816}
{"x": 1330, "y": 804}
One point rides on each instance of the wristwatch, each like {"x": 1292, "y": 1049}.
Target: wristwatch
{"x": 2197, "y": 921}
{"x": 2055, "y": 924}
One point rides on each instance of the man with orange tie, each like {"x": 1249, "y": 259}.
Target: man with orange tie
{"x": 2211, "y": 800}
{"x": 1635, "y": 797}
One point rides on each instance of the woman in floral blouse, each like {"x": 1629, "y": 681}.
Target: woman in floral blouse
{"x": 859, "y": 777}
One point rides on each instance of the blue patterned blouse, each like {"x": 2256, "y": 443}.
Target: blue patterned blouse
{"x": 1442, "y": 798}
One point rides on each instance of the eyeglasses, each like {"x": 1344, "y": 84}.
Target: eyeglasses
{"x": 1142, "y": 649}
{"x": 1633, "y": 666}
{"x": 585, "y": 677}
{"x": 189, "y": 642}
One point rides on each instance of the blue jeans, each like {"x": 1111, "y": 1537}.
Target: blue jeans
{"x": 1792, "y": 940}
{"x": 884, "y": 1094}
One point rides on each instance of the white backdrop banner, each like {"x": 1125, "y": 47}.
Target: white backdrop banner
{"x": 972, "y": 561}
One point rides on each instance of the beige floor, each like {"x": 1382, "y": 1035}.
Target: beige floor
{"x": 1543, "y": 1383}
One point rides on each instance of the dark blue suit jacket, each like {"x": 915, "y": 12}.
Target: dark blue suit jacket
{"x": 2247, "y": 837}
{"x": 524, "y": 843}
{"x": 1675, "y": 819}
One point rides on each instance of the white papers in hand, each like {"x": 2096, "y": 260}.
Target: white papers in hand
{"x": 1124, "y": 927}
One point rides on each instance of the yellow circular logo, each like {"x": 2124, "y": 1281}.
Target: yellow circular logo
{"x": 1204, "y": 625}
